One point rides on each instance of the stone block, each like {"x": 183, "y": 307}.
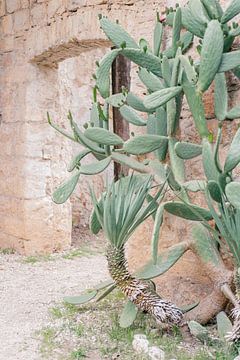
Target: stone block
{"x": 13, "y": 5}
{"x": 55, "y": 7}
{"x": 25, "y": 4}
{"x": 21, "y": 20}
{"x": 2, "y": 8}
{"x": 38, "y": 15}
{"x": 7, "y": 25}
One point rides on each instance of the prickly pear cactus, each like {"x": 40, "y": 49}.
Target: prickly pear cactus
{"x": 170, "y": 76}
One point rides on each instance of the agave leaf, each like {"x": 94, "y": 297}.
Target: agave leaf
{"x": 233, "y": 156}
{"x": 106, "y": 292}
{"x": 224, "y": 325}
{"x": 157, "y": 38}
{"x": 233, "y": 193}
{"x": 135, "y": 102}
{"x": 177, "y": 26}
{"x": 164, "y": 262}
{"x": 209, "y": 164}
{"x": 232, "y": 10}
{"x": 64, "y": 191}
{"x": 190, "y": 307}
{"x": 76, "y": 160}
{"x": 102, "y": 285}
{"x": 144, "y": 144}
{"x": 156, "y": 231}
{"x": 117, "y": 34}
{"x": 145, "y": 60}
{"x": 81, "y": 299}
{"x": 117, "y": 100}
{"x": 103, "y": 136}
{"x": 94, "y": 223}
{"x": 211, "y": 54}
{"x": 186, "y": 150}
{"x": 161, "y": 97}
{"x": 128, "y": 315}
{"x": 196, "y": 106}
{"x": 220, "y": 97}
{"x": 234, "y": 113}
{"x": 187, "y": 211}
{"x": 103, "y": 73}
{"x": 151, "y": 81}
{"x": 130, "y": 162}
{"x": 131, "y": 116}
{"x": 229, "y": 61}
{"x": 95, "y": 168}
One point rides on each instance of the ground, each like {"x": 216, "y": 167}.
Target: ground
{"x": 36, "y": 324}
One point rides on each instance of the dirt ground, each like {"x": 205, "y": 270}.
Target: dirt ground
{"x": 30, "y": 286}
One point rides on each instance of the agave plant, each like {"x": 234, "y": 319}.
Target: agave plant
{"x": 120, "y": 211}
{"x": 168, "y": 75}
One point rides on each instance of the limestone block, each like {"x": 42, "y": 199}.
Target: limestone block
{"x": 25, "y": 4}
{"x": 21, "y": 20}
{"x": 2, "y": 8}
{"x": 55, "y": 7}
{"x": 38, "y": 14}
{"x": 13, "y": 5}
{"x": 7, "y": 25}
{"x": 74, "y": 5}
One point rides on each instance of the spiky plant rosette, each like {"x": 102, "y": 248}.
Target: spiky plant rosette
{"x": 121, "y": 209}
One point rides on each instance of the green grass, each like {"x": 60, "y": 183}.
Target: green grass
{"x": 94, "y": 327}
{"x": 78, "y": 354}
{"x": 56, "y": 312}
{"x": 47, "y": 335}
{"x": 7, "y": 251}
{"x": 80, "y": 252}
{"x": 37, "y": 258}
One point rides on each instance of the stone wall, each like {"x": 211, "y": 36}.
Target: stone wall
{"x": 38, "y": 40}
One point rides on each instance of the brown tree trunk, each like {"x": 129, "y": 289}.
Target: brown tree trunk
{"x": 120, "y": 78}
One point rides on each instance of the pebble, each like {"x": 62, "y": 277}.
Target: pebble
{"x": 140, "y": 343}
{"x": 155, "y": 353}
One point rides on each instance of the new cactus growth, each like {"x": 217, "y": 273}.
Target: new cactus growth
{"x": 168, "y": 75}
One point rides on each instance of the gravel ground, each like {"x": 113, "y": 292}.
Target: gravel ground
{"x": 28, "y": 290}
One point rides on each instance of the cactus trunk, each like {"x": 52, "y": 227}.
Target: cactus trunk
{"x": 234, "y": 335}
{"x": 139, "y": 291}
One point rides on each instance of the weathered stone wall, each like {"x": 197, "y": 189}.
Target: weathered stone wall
{"x": 37, "y": 37}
